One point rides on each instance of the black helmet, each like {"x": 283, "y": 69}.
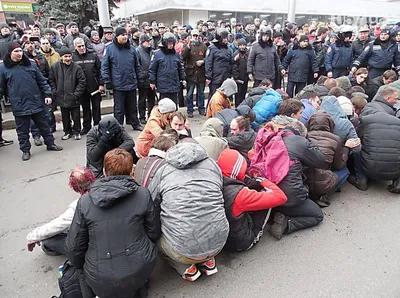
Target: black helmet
{"x": 221, "y": 34}
{"x": 168, "y": 37}
{"x": 266, "y": 31}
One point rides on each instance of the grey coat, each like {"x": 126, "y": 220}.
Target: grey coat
{"x": 263, "y": 63}
{"x": 191, "y": 206}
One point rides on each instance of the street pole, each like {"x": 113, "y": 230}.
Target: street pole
{"x": 291, "y": 11}
{"x": 104, "y": 14}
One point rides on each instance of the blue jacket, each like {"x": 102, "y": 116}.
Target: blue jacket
{"x": 120, "y": 66}
{"x": 166, "y": 71}
{"x": 308, "y": 111}
{"x": 300, "y": 63}
{"x": 338, "y": 56}
{"x": 344, "y": 129}
{"x": 267, "y": 107}
{"x": 377, "y": 57}
{"x": 218, "y": 63}
{"x": 25, "y": 86}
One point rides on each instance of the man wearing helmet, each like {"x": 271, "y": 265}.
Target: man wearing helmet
{"x": 166, "y": 69}
{"x": 339, "y": 56}
{"x": 219, "y": 58}
{"x": 263, "y": 60}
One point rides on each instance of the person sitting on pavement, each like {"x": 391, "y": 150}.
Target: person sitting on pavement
{"x": 211, "y": 138}
{"x": 299, "y": 212}
{"x": 311, "y": 102}
{"x": 51, "y": 236}
{"x": 147, "y": 166}
{"x": 242, "y": 137}
{"x": 220, "y": 99}
{"x": 344, "y": 129}
{"x": 266, "y": 108}
{"x": 361, "y": 78}
{"x": 256, "y": 94}
{"x": 379, "y": 131}
{"x": 247, "y": 202}
{"x": 160, "y": 118}
{"x": 389, "y": 76}
{"x": 291, "y": 108}
{"x": 323, "y": 182}
{"x": 112, "y": 236}
{"x": 358, "y": 104}
{"x": 348, "y": 108}
{"x": 194, "y": 226}
{"x": 181, "y": 125}
{"x": 105, "y": 136}
{"x": 227, "y": 115}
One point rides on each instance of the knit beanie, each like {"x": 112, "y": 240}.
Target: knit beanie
{"x": 12, "y": 46}
{"x": 73, "y": 24}
{"x": 344, "y": 83}
{"x": 4, "y": 25}
{"x": 242, "y": 41}
{"x": 232, "y": 164}
{"x": 94, "y": 33}
{"x": 49, "y": 31}
{"x": 64, "y": 51}
{"x": 303, "y": 38}
{"x": 166, "y": 105}
{"x": 60, "y": 25}
{"x": 119, "y": 31}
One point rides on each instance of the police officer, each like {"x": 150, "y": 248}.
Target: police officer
{"x": 380, "y": 54}
{"x": 360, "y": 43}
{"x": 166, "y": 69}
{"x": 263, "y": 60}
{"x": 339, "y": 56}
{"x": 219, "y": 59}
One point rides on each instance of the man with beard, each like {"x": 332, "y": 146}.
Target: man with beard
{"x": 219, "y": 59}
{"x": 263, "y": 60}
{"x": 166, "y": 69}
{"x": 380, "y": 55}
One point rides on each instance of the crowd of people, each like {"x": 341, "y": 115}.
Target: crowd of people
{"x": 265, "y": 158}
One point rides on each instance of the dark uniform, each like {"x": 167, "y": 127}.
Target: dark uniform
{"x": 358, "y": 47}
{"x": 338, "y": 59}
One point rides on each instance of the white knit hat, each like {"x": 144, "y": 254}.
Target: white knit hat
{"x": 166, "y": 105}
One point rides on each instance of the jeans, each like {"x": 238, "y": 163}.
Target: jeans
{"x": 55, "y": 244}
{"x": 49, "y": 113}
{"x": 291, "y": 86}
{"x": 75, "y": 114}
{"x": 241, "y": 94}
{"x": 95, "y": 111}
{"x": 23, "y": 124}
{"x": 125, "y": 102}
{"x": 342, "y": 177}
{"x": 200, "y": 96}
{"x": 149, "y": 95}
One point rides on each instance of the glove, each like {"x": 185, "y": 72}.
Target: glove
{"x": 109, "y": 131}
{"x": 253, "y": 183}
{"x": 109, "y": 86}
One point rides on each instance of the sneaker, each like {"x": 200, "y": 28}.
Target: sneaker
{"x": 190, "y": 114}
{"x": 38, "y": 141}
{"x": 191, "y": 273}
{"x": 143, "y": 121}
{"x": 26, "y": 156}
{"x": 280, "y": 225}
{"x": 138, "y": 127}
{"x": 66, "y": 136}
{"x": 77, "y": 137}
{"x": 54, "y": 147}
{"x": 85, "y": 131}
{"x": 208, "y": 268}
{"x": 4, "y": 142}
{"x": 361, "y": 184}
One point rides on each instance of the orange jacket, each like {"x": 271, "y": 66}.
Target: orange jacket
{"x": 152, "y": 129}
{"x": 217, "y": 103}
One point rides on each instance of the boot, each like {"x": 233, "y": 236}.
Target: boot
{"x": 280, "y": 225}
{"x": 323, "y": 201}
{"x": 394, "y": 187}
{"x": 361, "y": 184}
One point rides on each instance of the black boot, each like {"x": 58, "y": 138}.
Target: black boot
{"x": 280, "y": 225}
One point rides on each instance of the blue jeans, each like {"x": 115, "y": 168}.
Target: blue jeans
{"x": 342, "y": 177}
{"x": 200, "y": 96}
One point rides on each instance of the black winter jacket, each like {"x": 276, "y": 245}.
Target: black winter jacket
{"x": 379, "y": 131}
{"x": 219, "y": 61}
{"x": 96, "y": 149}
{"x": 358, "y": 47}
{"x": 67, "y": 83}
{"x": 112, "y": 236}
{"x": 300, "y": 62}
{"x": 239, "y": 67}
{"x": 320, "y": 49}
{"x": 144, "y": 56}
{"x": 302, "y": 153}
{"x": 41, "y": 63}
{"x": 243, "y": 142}
{"x": 254, "y": 96}
{"x": 90, "y": 64}
{"x": 4, "y": 40}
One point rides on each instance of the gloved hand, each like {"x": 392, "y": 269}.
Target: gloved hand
{"x": 253, "y": 183}
{"x": 109, "y": 86}
{"x": 109, "y": 131}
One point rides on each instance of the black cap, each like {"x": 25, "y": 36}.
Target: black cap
{"x": 119, "y": 31}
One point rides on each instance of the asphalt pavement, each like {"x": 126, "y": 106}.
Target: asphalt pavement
{"x": 353, "y": 253}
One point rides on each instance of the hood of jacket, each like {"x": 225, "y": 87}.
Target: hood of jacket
{"x": 320, "y": 121}
{"x": 107, "y": 190}
{"x": 282, "y": 119}
{"x": 257, "y": 91}
{"x": 213, "y": 127}
{"x": 244, "y": 110}
{"x": 185, "y": 154}
{"x": 331, "y": 105}
{"x": 228, "y": 87}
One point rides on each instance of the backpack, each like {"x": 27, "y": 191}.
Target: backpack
{"x": 271, "y": 159}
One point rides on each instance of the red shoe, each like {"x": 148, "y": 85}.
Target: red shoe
{"x": 191, "y": 273}
{"x": 208, "y": 268}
